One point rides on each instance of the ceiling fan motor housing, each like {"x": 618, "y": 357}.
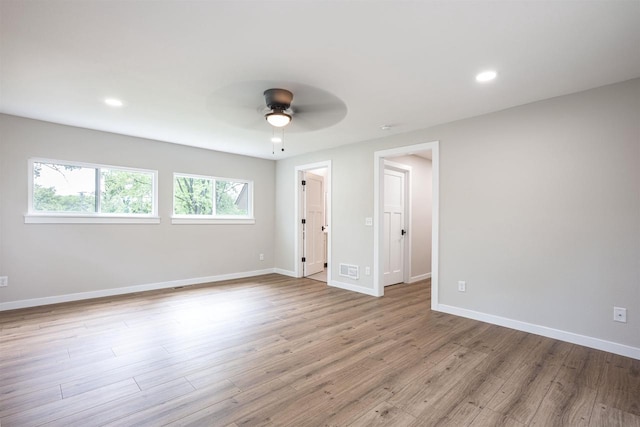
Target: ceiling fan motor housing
{"x": 278, "y": 99}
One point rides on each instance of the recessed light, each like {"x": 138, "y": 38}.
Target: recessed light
{"x": 113, "y": 102}
{"x": 385, "y": 127}
{"x": 486, "y": 76}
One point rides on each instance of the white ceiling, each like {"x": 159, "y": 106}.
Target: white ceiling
{"x": 410, "y": 64}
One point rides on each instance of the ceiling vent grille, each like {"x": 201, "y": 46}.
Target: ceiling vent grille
{"x": 350, "y": 271}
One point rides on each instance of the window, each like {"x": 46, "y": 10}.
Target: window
{"x": 61, "y": 191}
{"x": 206, "y": 199}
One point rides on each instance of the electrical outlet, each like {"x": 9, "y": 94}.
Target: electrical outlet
{"x": 462, "y": 286}
{"x": 261, "y": 257}
{"x": 367, "y": 271}
{"x": 620, "y": 314}
{"x": 4, "y": 281}
{"x": 368, "y": 221}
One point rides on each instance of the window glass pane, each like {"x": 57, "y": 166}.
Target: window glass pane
{"x": 232, "y": 198}
{"x": 126, "y": 192}
{"x": 192, "y": 196}
{"x": 63, "y": 188}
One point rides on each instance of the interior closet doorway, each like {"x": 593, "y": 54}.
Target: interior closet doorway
{"x": 396, "y": 221}
{"x": 312, "y": 221}
{"x": 406, "y": 235}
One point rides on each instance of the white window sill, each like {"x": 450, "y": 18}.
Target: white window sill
{"x": 209, "y": 220}
{"x": 88, "y": 219}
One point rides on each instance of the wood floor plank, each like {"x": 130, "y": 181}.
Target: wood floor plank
{"x": 242, "y": 405}
{"x": 385, "y": 414}
{"x": 427, "y": 389}
{"x": 522, "y": 394}
{"x": 583, "y": 367}
{"x": 127, "y": 405}
{"x": 277, "y": 351}
{"x": 25, "y": 401}
{"x": 604, "y": 415}
{"x": 320, "y": 397}
{"x": 182, "y": 406}
{"x": 487, "y": 417}
{"x": 345, "y": 408}
{"x": 565, "y": 404}
{"x": 476, "y": 389}
{"x": 53, "y": 411}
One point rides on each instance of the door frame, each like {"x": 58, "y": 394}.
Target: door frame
{"x": 406, "y": 256}
{"x": 378, "y": 175}
{"x": 298, "y": 209}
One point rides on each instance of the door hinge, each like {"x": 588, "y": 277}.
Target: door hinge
{"x": 304, "y": 182}
{"x": 304, "y": 221}
{"x": 304, "y": 259}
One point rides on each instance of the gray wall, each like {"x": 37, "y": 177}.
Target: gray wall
{"x": 44, "y": 260}
{"x": 539, "y": 210}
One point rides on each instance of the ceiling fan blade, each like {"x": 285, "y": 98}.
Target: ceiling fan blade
{"x": 312, "y": 117}
{"x": 243, "y": 105}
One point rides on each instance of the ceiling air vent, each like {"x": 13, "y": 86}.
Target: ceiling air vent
{"x": 350, "y": 271}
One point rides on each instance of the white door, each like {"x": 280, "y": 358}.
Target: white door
{"x": 314, "y": 223}
{"x": 394, "y": 230}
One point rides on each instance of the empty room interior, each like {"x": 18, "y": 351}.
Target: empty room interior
{"x": 276, "y": 213}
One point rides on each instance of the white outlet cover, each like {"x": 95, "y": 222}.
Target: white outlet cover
{"x": 620, "y": 314}
{"x": 462, "y": 286}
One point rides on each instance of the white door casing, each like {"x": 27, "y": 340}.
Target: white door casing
{"x": 314, "y": 236}
{"x": 394, "y": 227}
{"x": 379, "y": 159}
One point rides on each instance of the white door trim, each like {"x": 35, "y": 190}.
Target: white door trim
{"x": 378, "y": 175}
{"x": 297, "y": 243}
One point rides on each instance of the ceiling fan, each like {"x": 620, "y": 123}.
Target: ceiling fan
{"x": 247, "y": 104}
{"x": 279, "y": 103}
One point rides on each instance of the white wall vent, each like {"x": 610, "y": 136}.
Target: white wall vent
{"x": 350, "y": 271}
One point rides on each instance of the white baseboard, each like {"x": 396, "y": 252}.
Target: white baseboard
{"x": 419, "y": 277}
{"x": 284, "y": 272}
{"x": 12, "y": 305}
{"x": 354, "y": 288}
{"x": 597, "y": 343}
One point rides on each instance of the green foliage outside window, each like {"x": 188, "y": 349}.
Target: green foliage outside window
{"x": 66, "y": 188}
{"x": 194, "y": 196}
{"x": 126, "y": 192}
{"x": 46, "y": 197}
{"x": 230, "y": 198}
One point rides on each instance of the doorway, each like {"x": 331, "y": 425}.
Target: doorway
{"x": 312, "y": 221}
{"x": 395, "y": 218}
{"x": 381, "y": 252}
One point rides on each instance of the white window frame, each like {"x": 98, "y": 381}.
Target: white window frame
{"x": 35, "y": 217}
{"x": 212, "y": 219}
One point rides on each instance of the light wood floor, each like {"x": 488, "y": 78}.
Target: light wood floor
{"x": 286, "y": 352}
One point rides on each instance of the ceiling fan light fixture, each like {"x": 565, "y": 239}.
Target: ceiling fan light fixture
{"x": 486, "y": 76}
{"x": 113, "y": 102}
{"x": 278, "y": 118}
